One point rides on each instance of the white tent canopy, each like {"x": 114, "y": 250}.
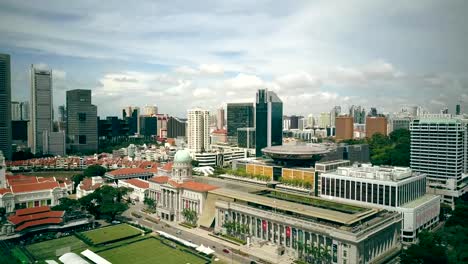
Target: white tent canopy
{"x": 72, "y": 258}
{"x": 182, "y": 241}
{"x": 204, "y": 250}
{"x": 94, "y": 257}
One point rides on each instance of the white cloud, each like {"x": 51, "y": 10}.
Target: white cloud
{"x": 245, "y": 81}
{"x": 211, "y": 69}
{"x": 186, "y": 70}
{"x": 299, "y": 81}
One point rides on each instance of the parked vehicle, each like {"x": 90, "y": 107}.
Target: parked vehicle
{"x": 226, "y": 251}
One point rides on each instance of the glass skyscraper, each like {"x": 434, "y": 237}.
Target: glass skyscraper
{"x": 5, "y": 105}
{"x": 268, "y": 121}
{"x": 239, "y": 115}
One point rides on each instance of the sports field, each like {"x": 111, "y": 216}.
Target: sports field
{"x": 46, "y": 249}
{"x": 111, "y": 233}
{"x": 149, "y": 251}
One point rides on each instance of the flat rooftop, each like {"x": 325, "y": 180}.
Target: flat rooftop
{"x": 421, "y": 200}
{"x": 382, "y": 173}
{"x": 299, "y": 208}
{"x": 299, "y": 150}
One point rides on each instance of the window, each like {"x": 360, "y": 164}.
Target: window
{"x": 82, "y": 116}
{"x": 82, "y": 139}
{"x": 36, "y": 203}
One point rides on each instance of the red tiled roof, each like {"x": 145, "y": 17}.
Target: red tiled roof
{"x": 4, "y": 190}
{"x": 160, "y": 179}
{"x": 126, "y": 171}
{"x": 42, "y": 179}
{"x": 197, "y": 186}
{"x": 21, "y": 179}
{"x": 138, "y": 183}
{"x": 167, "y": 166}
{"x": 39, "y": 222}
{"x": 219, "y": 131}
{"x": 34, "y": 187}
{"x": 174, "y": 184}
{"x": 16, "y": 220}
{"x": 33, "y": 210}
{"x": 87, "y": 185}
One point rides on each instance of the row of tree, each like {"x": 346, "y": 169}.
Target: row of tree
{"x": 242, "y": 173}
{"x": 297, "y": 182}
{"x": 105, "y": 202}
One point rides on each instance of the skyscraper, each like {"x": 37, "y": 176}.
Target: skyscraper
{"x": 336, "y": 111}
{"x": 344, "y": 127}
{"x": 220, "y": 118}
{"x": 5, "y": 105}
{"x": 458, "y": 109}
{"x": 294, "y": 121}
{"x": 198, "y": 130}
{"x": 81, "y": 122}
{"x": 148, "y": 126}
{"x": 176, "y": 127}
{"x": 150, "y": 110}
{"x": 439, "y": 148}
{"x": 24, "y": 110}
{"x": 310, "y": 121}
{"x": 376, "y": 124}
{"x": 62, "y": 120}
{"x": 41, "y": 112}
{"x": 325, "y": 120}
{"x": 15, "y": 110}
{"x": 239, "y": 115}
{"x": 358, "y": 113}
{"x": 132, "y": 115}
{"x": 268, "y": 120}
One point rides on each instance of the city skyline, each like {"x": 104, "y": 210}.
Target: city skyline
{"x": 303, "y": 53}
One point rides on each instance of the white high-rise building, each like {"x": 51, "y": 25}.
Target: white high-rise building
{"x": 15, "y": 111}
{"x": 310, "y": 121}
{"x": 439, "y": 148}
{"x": 24, "y": 110}
{"x": 41, "y": 112}
{"x": 336, "y": 111}
{"x": 150, "y": 110}
{"x": 324, "y": 121}
{"x": 198, "y": 134}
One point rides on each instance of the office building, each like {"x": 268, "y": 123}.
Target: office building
{"x": 82, "y": 130}
{"x": 15, "y": 111}
{"x": 246, "y": 137}
{"x": 310, "y": 121}
{"x": 162, "y": 125}
{"x": 41, "y": 111}
{"x": 220, "y": 118}
{"x": 376, "y": 124}
{"x": 324, "y": 120}
{"x": 401, "y": 123}
{"x": 444, "y": 111}
{"x": 344, "y": 127}
{"x": 458, "y": 109}
{"x": 112, "y": 128}
{"x": 239, "y": 115}
{"x": 301, "y": 123}
{"x": 286, "y": 122}
{"x": 294, "y": 122}
{"x": 176, "y": 127}
{"x": 19, "y": 130}
{"x": 336, "y": 111}
{"x": 373, "y": 112}
{"x": 268, "y": 120}
{"x": 198, "y": 134}
{"x": 148, "y": 126}
{"x": 5, "y": 105}
{"x": 54, "y": 143}
{"x": 132, "y": 115}
{"x": 391, "y": 188}
{"x": 439, "y": 148}
{"x": 218, "y": 136}
{"x": 150, "y": 110}
{"x": 358, "y": 113}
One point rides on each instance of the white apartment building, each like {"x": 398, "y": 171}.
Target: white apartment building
{"x": 392, "y": 188}
{"x": 198, "y": 133}
{"x": 324, "y": 120}
{"x": 439, "y": 148}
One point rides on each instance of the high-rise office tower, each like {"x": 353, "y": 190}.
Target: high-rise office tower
{"x": 325, "y": 120}
{"x": 376, "y": 124}
{"x": 336, "y": 111}
{"x": 81, "y": 122}
{"x": 150, "y": 110}
{"x": 373, "y": 111}
{"x": 301, "y": 123}
{"x": 198, "y": 134}
{"x": 176, "y": 127}
{"x": 310, "y": 121}
{"x": 132, "y": 115}
{"x": 220, "y": 118}
{"x": 294, "y": 121}
{"x": 444, "y": 111}
{"x": 286, "y": 122}
{"x": 358, "y": 113}
{"x": 268, "y": 120}
{"x": 41, "y": 112}
{"x": 24, "y": 110}
{"x": 439, "y": 148}
{"x": 62, "y": 118}
{"x": 344, "y": 127}
{"x": 148, "y": 126}
{"x": 15, "y": 111}
{"x": 5, "y": 105}
{"x": 458, "y": 109}
{"x": 239, "y": 115}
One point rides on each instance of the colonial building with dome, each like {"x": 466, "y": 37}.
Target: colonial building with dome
{"x": 178, "y": 191}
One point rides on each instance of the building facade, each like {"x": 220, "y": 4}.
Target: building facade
{"x": 198, "y": 134}
{"x": 5, "y": 105}
{"x": 376, "y": 124}
{"x": 82, "y": 122}
{"x": 268, "y": 121}
{"x": 391, "y": 188}
{"x": 41, "y": 112}
{"x": 220, "y": 118}
{"x": 148, "y": 126}
{"x": 439, "y": 148}
{"x": 246, "y": 137}
{"x": 344, "y": 127}
{"x": 176, "y": 127}
{"x": 54, "y": 143}
{"x": 238, "y": 115}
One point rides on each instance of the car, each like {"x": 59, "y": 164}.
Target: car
{"x": 178, "y": 232}
{"x": 226, "y": 251}
{"x": 115, "y": 222}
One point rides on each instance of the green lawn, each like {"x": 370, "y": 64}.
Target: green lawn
{"x": 46, "y": 250}
{"x": 111, "y": 233}
{"x": 147, "y": 252}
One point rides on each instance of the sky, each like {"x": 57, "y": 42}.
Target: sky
{"x": 183, "y": 54}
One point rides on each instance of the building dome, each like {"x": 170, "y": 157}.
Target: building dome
{"x": 182, "y": 156}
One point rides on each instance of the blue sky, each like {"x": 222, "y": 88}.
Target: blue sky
{"x": 181, "y": 54}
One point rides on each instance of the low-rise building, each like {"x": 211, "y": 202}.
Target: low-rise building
{"x": 139, "y": 189}
{"x": 129, "y": 173}
{"x": 88, "y": 186}
{"x": 392, "y": 188}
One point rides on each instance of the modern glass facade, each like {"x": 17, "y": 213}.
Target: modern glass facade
{"x": 5, "y": 105}
{"x": 268, "y": 121}
{"x": 246, "y": 137}
{"x": 239, "y": 115}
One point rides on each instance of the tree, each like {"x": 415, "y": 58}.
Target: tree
{"x": 150, "y": 203}
{"x": 77, "y": 178}
{"x": 105, "y": 202}
{"x": 430, "y": 249}
{"x": 94, "y": 170}
{"x": 67, "y": 204}
{"x": 195, "y": 163}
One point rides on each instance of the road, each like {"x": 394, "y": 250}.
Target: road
{"x": 173, "y": 230}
